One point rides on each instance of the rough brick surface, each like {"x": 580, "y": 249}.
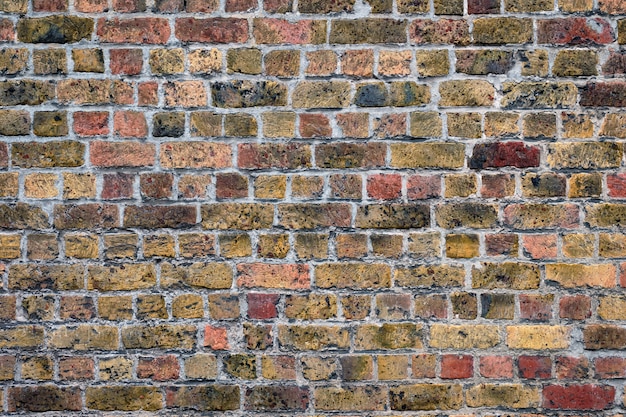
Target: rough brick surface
{"x": 313, "y": 208}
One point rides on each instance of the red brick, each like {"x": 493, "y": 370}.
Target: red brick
{"x": 421, "y": 187}
{"x": 262, "y": 306}
{"x": 240, "y": 5}
{"x": 279, "y": 31}
{"x": 49, "y": 5}
{"x": 535, "y": 367}
{"x": 231, "y": 185}
{"x": 575, "y": 31}
{"x": 147, "y": 93}
{"x": 156, "y": 185}
{"x": 503, "y": 154}
{"x": 162, "y": 368}
{"x": 140, "y": 30}
{"x": 130, "y": 124}
{"x": 76, "y": 368}
{"x": 496, "y": 367}
{"x": 216, "y": 338}
{"x": 384, "y": 186}
{"x": 611, "y": 367}
{"x": 578, "y": 397}
{"x": 540, "y": 246}
{"x": 117, "y": 186}
{"x": 457, "y": 366}
{"x": 536, "y": 307}
{"x": 126, "y": 61}
{"x": 214, "y": 30}
{"x": 314, "y": 125}
{"x": 91, "y": 123}
{"x": 122, "y": 154}
{"x": 288, "y": 276}
{"x": 483, "y": 6}
{"x": 497, "y": 186}
{"x": 442, "y": 31}
{"x": 273, "y": 155}
{"x": 571, "y": 367}
{"x": 604, "y": 94}
{"x": 424, "y": 365}
{"x": 7, "y": 30}
{"x": 575, "y": 307}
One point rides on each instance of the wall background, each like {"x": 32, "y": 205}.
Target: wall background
{"x": 314, "y": 207}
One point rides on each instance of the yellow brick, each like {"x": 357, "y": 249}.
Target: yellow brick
{"x": 537, "y": 337}
{"x": 41, "y": 185}
{"x": 477, "y": 336}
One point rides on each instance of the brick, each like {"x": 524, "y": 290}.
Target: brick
{"x": 138, "y": 30}
{"x": 483, "y": 62}
{"x": 426, "y": 397}
{"x": 43, "y": 398}
{"x": 123, "y": 398}
{"x": 279, "y": 31}
{"x": 568, "y": 367}
{"x": 313, "y": 337}
{"x": 41, "y": 186}
{"x": 496, "y": 367}
{"x": 578, "y": 397}
{"x": 243, "y": 93}
{"x": 121, "y": 154}
{"x": 54, "y": 29}
{"x": 276, "y": 398}
{"x": 506, "y": 395}
{"x": 30, "y": 92}
{"x": 341, "y": 276}
{"x": 55, "y": 277}
{"x": 430, "y": 276}
{"x": 368, "y": 31}
{"x": 464, "y": 336}
{"x": 239, "y": 216}
{"x": 528, "y": 6}
{"x": 538, "y": 337}
{"x": 537, "y": 95}
{"x": 428, "y": 155}
{"x": 575, "y": 63}
{"x": 578, "y": 275}
{"x": 466, "y": 93}
{"x": 609, "y": 368}
{"x": 575, "y": 31}
{"x": 163, "y": 336}
{"x": 585, "y": 155}
{"x": 48, "y": 154}
{"x": 456, "y": 366}
{"x": 203, "y": 397}
{"x": 442, "y": 31}
{"x": 295, "y": 276}
{"x": 85, "y": 337}
{"x": 215, "y": 275}
{"x": 213, "y": 30}
{"x": 502, "y": 30}
{"x": 125, "y": 277}
{"x": 22, "y": 216}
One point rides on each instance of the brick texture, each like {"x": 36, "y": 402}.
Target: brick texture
{"x": 340, "y": 208}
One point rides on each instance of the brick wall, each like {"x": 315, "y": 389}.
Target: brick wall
{"x": 321, "y": 207}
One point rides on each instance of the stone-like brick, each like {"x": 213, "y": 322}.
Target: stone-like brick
{"x": 464, "y": 336}
{"x": 43, "y": 398}
{"x": 124, "y": 398}
{"x": 313, "y": 337}
{"x": 359, "y": 398}
{"x": 503, "y": 395}
{"x": 538, "y": 95}
{"x": 575, "y": 31}
{"x": 426, "y": 397}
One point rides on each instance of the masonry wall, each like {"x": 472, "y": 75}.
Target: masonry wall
{"x": 317, "y": 207}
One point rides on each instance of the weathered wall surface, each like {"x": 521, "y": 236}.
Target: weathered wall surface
{"x": 312, "y": 207}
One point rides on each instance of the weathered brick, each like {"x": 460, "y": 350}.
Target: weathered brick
{"x": 23, "y": 216}
{"x": 276, "y": 398}
{"x": 48, "y": 154}
{"x": 123, "y": 398}
{"x": 428, "y": 155}
{"x": 203, "y": 397}
{"x": 368, "y": 31}
{"x": 503, "y": 395}
{"x": 578, "y": 397}
{"x": 579, "y": 275}
{"x": 538, "y": 95}
{"x": 426, "y": 397}
{"x": 464, "y": 336}
{"x": 541, "y": 216}
{"x": 162, "y": 336}
{"x": 138, "y": 30}
{"x": 289, "y": 276}
{"x": 502, "y": 30}
{"x": 359, "y": 398}
{"x": 44, "y": 398}
{"x": 213, "y": 30}
{"x": 85, "y": 337}
{"x": 313, "y": 337}
{"x": 352, "y": 275}
{"x": 575, "y": 31}
{"x": 430, "y": 276}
